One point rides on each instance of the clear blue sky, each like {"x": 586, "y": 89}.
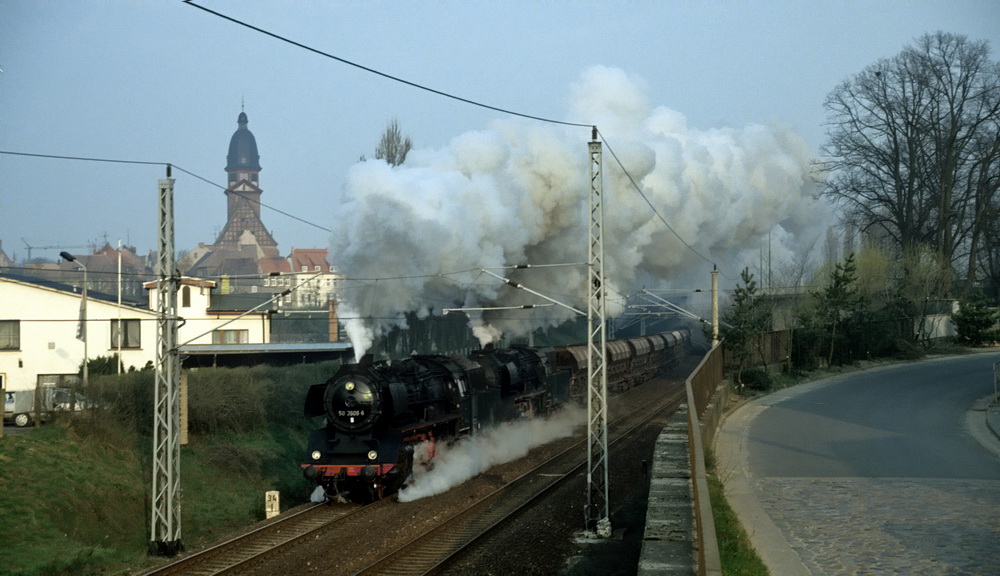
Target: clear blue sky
{"x": 164, "y": 81}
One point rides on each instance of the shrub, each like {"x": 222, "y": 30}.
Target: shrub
{"x": 757, "y": 379}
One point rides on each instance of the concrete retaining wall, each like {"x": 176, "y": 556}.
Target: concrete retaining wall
{"x": 672, "y": 544}
{"x": 668, "y": 542}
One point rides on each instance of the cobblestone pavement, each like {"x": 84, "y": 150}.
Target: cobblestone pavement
{"x": 854, "y": 526}
{"x": 887, "y": 526}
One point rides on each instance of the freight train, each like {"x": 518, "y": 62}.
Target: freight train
{"x": 377, "y": 413}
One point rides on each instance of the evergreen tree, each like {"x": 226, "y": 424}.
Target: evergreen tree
{"x": 974, "y": 320}
{"x": 839, "y": 302}
{"x": 747, "y": 318}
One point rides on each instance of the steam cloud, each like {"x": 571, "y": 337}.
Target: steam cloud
{"x": 518, "y": 192}
{"x": 473, "y": 455}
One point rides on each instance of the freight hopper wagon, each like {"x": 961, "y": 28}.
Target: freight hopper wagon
{"x": 630, "y": 361}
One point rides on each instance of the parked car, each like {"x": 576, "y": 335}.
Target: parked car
{"x": 19, "y": 405}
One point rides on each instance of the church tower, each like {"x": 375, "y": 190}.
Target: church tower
{"x": 243, "y": 224}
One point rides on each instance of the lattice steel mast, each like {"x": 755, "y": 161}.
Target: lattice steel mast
{"x": 597, "y": 376}
{"x": 165, "y": 525}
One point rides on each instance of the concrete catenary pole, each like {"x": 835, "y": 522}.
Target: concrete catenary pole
{"x": 165, "y": 525}
{"x": 597, "y": 516}
{"x": 715, "y": 306}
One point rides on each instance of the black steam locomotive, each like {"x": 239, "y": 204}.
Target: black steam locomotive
{"x": 376, "y": 414}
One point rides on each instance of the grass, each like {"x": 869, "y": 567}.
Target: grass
{"x": 737, "y": 553}
{"x": 75, "y": 495}
{"x": 66, "y": 506}
{"x": 78, "y": 503}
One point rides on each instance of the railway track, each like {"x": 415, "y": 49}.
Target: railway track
{"x": 235, "y": 554}
{"x": 431, "y": 551}
{"x": 258, "y": 551}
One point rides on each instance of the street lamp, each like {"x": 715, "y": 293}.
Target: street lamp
{"x": 83, "y": 313}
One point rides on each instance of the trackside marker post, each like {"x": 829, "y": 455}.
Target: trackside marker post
{"x": 272, "y": 503}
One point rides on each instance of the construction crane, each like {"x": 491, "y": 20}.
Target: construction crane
{"x": 30, "y": 248}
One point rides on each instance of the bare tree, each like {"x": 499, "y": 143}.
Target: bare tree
{"x": 984, "y": 244}
{"x": 909, "y": 140}
{"x": 393, "y": 147}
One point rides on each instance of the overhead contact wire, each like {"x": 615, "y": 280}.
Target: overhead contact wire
{"x": 175, "y": 166}
{"x": 383, "y": 74}
{"x": 651, "y": 207}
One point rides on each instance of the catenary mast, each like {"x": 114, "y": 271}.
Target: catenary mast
{"x": 165, "y": 538}
{"x": 597, "y": 376}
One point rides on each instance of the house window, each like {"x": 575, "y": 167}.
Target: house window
{"x": 186, "y": 297}
{"x": 57, "y": 380}
{"x": 10, "y": 334}
{"x": 129, "y": 332}
{"x": 231, "y": 337}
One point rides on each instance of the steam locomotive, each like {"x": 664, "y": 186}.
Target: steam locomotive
{"x": 377, "y": 413}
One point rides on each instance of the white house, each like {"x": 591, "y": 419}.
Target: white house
{"x": 39, "y": 323}
{"x": 219, "y": 320}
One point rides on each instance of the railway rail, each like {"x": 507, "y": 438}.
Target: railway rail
{"x": 259, "y": 550}
{"x": 232, "y": 555}
{"x": 431, "y": 551}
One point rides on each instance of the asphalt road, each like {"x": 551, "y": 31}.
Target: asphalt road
{"x": 887, "y": 471}
{"x": 895, "y": 422}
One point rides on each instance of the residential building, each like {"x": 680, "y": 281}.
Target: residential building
{"x": 40, "y": 322}
{"x": 314, "y": 281}
{"x": 41, "y": 341}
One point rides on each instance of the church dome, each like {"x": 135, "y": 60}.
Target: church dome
{"x": 242, "y": 148}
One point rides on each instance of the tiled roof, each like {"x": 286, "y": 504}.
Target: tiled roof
{"x": 309, "y": 257}
{"x": 60, "y": 287}
{"x": 274, "y": 265}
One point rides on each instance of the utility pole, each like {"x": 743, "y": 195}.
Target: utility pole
{"x": 715, "y": 305}
{"x": 81, "y": 331}
{"x": 596, "y": 513}
{"x": 165, "y": 538}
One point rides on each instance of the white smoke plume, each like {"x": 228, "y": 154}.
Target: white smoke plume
{"x": 472, "y": 455}
{"x": 413, "y": 238}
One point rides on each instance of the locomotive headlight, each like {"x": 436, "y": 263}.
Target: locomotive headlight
{"x": 316, "y": 455}
{"x": 349, "y": 386}
{"x": 372, "y": 455}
